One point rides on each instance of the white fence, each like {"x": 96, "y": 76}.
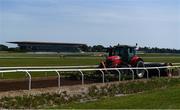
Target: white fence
{"x": 63, "y": 67}
{"x": 81, "y": 71}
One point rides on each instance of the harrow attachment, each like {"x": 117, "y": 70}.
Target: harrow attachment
{"x": 158, "y": 71}
{"x": 149, "y": 70}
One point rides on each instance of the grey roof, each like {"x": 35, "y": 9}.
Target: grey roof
{"x": 51, "y": 43}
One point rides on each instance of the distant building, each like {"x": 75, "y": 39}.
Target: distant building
{"x": 48, "y": 46}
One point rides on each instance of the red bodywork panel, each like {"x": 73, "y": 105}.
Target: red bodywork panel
{"x": 134, "y": 60}
{"x": 116, "y": 60}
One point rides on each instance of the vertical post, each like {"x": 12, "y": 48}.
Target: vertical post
{"x": 132, "y": 74}
{"x": 29, "y": 75}
{"x": 159, "y": 72}
{"x": 147, "y": 72}
{"x": 119, "y": 74}
{"x": 59, "y": 79}
{"x": 102, "y": 76}
{"x": 82, "y": 77}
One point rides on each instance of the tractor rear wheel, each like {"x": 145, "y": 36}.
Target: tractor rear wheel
{"x": 140, "y": 72}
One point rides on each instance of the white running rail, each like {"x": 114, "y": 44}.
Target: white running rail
{"x": 63, "y": 67}
{"x": 81, "y": 71}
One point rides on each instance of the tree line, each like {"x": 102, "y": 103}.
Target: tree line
{"x": 101, "y": 48}
{"x": 6, "y": 48}
{"x": 158, "y": 50}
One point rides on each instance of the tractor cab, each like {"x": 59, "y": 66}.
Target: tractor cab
{"x": 120, "y": 56}
{"x": 124, "y": 52}
{"x": 123, "y": 56}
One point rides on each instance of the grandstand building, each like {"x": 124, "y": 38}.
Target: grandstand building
{"x": 48, "y": 46}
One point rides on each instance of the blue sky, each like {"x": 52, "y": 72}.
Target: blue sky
{"x": 153, "y": 23}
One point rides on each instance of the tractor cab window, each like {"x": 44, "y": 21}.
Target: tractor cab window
{"x": 131, "y": 53}
{"x": 110, "y": 52}
{"x": 116, "y": 52}
{"x": 130, "y": 50}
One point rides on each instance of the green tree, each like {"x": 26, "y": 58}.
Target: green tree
{"x": 98, "y": 48}
{"x": 3, "y": 47}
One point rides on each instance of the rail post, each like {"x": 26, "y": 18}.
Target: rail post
{"x": 102, "y": 75}
{"x": 29, "y": 75}
{"x": 147, "y": 73}
{"x": 159, "y": 72}
{"x": 82, "y": 77}
{"x": 119, "y": 74}
{"x": 59, "y": 78}
{"x": 132, "y": 73}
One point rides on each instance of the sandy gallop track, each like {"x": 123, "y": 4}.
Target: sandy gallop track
{"x": 22, "y": 84}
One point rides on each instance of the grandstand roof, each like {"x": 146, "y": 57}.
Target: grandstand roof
{"x": 48, "y": 43}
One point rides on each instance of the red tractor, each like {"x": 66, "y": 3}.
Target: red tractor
{"x": 125, "y": 56}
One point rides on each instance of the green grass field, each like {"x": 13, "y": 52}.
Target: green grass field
{"x": 168, "y": 98}
{"x": 23, "y": 59}
{"x": 54, "y": 61}
{"x": 162, "y": 59}
{"x": 69, "y": 61}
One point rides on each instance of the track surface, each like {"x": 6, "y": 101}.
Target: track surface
{"x": 42, "y": 82}
{"x": 22, "y": 84}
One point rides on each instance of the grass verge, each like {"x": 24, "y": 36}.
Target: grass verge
{"x": 158, "y": 93}
{"x": 166, "y": 98}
